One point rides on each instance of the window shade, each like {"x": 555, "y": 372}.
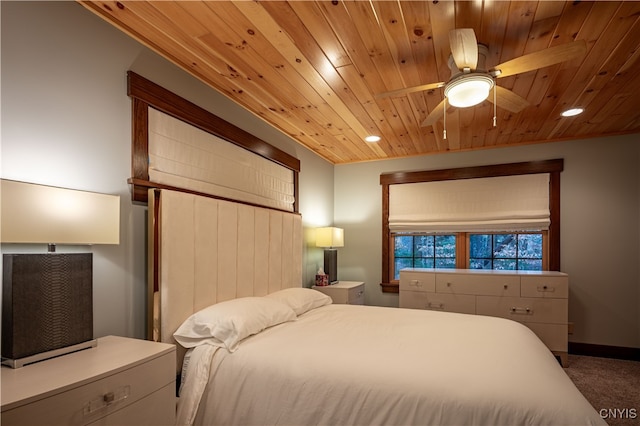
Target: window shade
{"x": 184, "y": 156}
{"x": 505, "y": 203}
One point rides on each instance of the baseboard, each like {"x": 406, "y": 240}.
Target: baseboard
{"x": 604, "y": 351}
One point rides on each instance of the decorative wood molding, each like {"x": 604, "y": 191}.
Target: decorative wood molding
{"x": 387, "y": 286}
{"x": 390, "y": 287}
{"x": 553, "y": 167}
{"x": 147, "y": 94}
{"x": 510, "y": 169}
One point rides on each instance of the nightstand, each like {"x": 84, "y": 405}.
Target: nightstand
{"x": 121, "y": 381}
{"x": 346, "y": 292}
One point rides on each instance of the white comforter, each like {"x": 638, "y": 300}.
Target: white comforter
{"x": 364, "y": 365}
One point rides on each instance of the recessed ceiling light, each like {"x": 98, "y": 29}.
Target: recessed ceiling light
{"x": 372, "y": 138}
{"x": 571, "y": 112}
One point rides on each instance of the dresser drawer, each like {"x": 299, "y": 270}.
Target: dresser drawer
{"x": 524, "y": 309}
{"x": 542, "y": 286}
{"x": 86, "y": 403}
{"x": 554, "y": 336}
{"x": 489, "y": 285}
{"x": 152, "y": 410}
{"x": 462, "y": 303}
{"x": 417, "y": 281}
{"x": 356, "y": 295}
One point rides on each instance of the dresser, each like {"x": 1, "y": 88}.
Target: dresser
{"x": 344, "y": 292}
{"x": 537, "y": 299}
{"x": 121, "y": 381}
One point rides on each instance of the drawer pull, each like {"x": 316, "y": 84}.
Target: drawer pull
{"x": 435, "y": 305}
{"x": 546, "y": 288}
{"x": 521, "y": 311}
{"x": 506, "y": 286}
{"x": 106, "y": 400}
{"x": 415, "y": 283}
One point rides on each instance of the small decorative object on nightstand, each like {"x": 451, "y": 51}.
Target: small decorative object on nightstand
{"x": 121, "y": 381}
{"x": 345, "y": 292}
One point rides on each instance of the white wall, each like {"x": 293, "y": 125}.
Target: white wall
{"x": 599, "y": 227}
{"x": 66, "y": 121}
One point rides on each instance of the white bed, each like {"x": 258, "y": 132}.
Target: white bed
{"x": 277, "y": 362}
{"x": 364, "y": 365}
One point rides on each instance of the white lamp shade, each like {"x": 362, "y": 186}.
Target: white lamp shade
{"x": 329, "y": 237}
{"x": 468, "y": 91}
{"x": 34, "y": 213}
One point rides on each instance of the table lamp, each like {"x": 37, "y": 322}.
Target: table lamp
{"x": 330, "y": 238}
{"x": 47, "y": 298}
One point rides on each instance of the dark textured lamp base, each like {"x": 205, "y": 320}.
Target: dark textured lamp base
{"x": 47, "y": 305}
{"x": 18, "y": 363}
{"x": 331, "y": 264}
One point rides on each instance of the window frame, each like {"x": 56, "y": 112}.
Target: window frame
{"x": 553, "y": 167}
{"x": 462, "y": 248}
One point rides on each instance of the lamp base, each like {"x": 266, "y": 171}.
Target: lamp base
{"x": 331, "y": 264}
{"x": 47, "y": 304}
{"x": 18, "y": 363}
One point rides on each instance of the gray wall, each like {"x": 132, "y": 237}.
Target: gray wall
{"x": 66, "y": 121}
{"x": 599, "y": 227}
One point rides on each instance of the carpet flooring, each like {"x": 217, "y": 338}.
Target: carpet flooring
{"x": 612, "y": 386}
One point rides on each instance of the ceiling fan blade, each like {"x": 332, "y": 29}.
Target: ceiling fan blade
{"x": 509, "y": 100}
{"x": 464, "y": 48}
{"x": 543, "y": 58}
{"x": 435, "y": 115}
{"x": 407, "y": 90}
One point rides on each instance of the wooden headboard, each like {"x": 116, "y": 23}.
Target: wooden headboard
{"x": 205, "y": 250}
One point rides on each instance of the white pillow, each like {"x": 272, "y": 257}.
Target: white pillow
{"x": 227, "y": 323}
{"x": 301, "y": 299}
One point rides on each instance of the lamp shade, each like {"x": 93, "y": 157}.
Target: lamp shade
{"x": 329, "y": 237}
{"x": 34, "y": 213}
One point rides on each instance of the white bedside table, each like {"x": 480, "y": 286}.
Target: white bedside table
{"x": 121, "y": 381}
{"x": 345, "y": 292}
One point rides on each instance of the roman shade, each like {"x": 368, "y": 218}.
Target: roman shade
{"x": 493, "y": 204}
{"x": 183, "y": 156}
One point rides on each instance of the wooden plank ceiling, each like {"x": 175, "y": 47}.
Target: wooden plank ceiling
{"x": 313, "y": 68}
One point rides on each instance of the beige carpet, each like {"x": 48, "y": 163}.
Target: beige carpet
{"x": 611, "y": 385}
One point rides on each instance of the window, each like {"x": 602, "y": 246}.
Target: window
{"x": 515, "y": 251}
{"x": 473, "y": 246}
{"x": 423, "y": 251}
{"x": 524, "y": 251}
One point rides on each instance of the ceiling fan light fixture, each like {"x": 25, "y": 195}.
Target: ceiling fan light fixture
{"x": 468, "y": 90}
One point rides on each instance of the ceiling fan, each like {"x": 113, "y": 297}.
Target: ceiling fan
{"x": 471, "y": 83}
